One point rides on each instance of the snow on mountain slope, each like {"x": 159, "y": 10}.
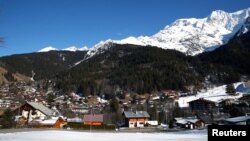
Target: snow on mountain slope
{"x": 47, "y": 49}
{"x": 191, "y": 36}
{"x": 245, "y": 28}
{"x": 215, "y": 94}
{"x": 97, "y": 49}
{"x": 74, "y": 49}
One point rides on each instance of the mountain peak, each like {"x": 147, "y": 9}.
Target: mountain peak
{"x": 190, "y": 36}
{"x": 218, "y": 14}
{"x": 47, "y": 49}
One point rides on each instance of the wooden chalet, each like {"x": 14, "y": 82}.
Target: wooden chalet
{"x": 135, "y": 119}
{"x": 189, "y": 122}
{"x": 33, "y": 110}
{"x": 202, "y": 105}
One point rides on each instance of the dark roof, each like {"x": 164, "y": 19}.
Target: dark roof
{"x": 203, "y": 100}
{"x": 93, "y": 118}
{"x": 137, "y": 114}
{"x": 206, "y": 119}
{"x": 42, "y": 108}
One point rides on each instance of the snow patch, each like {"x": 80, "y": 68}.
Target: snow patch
{"x": 47, "y": 49}
{"x": 215, "y": 94}
{"x": 74, "y": 49}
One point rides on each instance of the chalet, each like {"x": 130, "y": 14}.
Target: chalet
{"x": 54, "y": 122}
{"x": 93, "y": 119}
{"x": 189, "y": 122}
{"x": 135, "y": 119}
{"x": 202, "y": 105}
{"x": 33, "y": 110}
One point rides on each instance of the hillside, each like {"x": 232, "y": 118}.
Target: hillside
{"x": 235, "y": 54}
{"x": 145, "y": 69}
{"x": 41, "y": 65}
{"x": 142, "y": 70}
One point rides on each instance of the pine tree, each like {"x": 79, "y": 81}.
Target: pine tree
{"x": 7, "y": 119}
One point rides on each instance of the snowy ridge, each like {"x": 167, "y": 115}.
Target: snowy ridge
{"x": 72, "y": 48}
{"x": 190, "y": 36}
{"x": 47, "y": 49}
{"x": 97, "y": 49}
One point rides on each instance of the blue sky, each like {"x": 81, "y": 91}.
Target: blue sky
{"x": 30, "y": 25}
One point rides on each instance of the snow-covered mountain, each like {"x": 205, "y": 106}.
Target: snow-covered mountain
{"x": 47, "y": 49}
{"x": 72, "y": 48}
{"x": 191, "y": 36}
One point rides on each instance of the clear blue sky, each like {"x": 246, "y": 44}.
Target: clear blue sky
{"x": 30, "y": 25}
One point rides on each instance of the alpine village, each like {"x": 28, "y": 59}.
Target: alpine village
{"x": 129, "y": 86}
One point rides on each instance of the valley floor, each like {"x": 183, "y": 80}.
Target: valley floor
{"x": 52, "y": 135}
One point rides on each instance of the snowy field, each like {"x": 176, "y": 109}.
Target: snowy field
{"x": 54, "y": 135}
{"x": 215, "y": 94}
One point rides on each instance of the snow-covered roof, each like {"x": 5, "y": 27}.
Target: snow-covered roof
{"x": 41, "y": 108}
{"x": 137, "y": 114}
{"x": 185, "y": 120}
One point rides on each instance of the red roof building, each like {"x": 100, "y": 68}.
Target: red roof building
{"x": 96, "y": 119}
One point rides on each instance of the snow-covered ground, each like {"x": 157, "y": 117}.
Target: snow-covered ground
{"x": 54, "y": 135}
{"x": 215, "y": 94}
